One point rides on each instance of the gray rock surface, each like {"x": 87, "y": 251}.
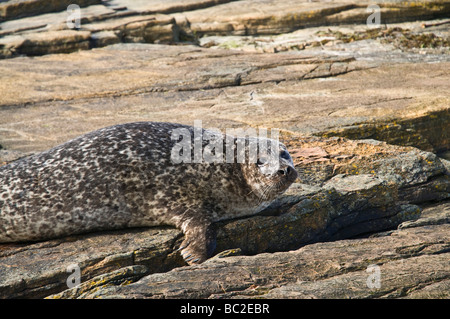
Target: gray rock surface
{"x": 39, "y": 269}
{"x": 411, "y": 262}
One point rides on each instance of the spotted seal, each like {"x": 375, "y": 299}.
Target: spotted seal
{"x": 125, "y": 176}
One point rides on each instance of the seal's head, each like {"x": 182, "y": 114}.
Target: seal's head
{"x": 271, "y": 172}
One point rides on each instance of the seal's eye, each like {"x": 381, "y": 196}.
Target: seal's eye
{"x": 261, "y": 161}
{"x": 284, "y": 154}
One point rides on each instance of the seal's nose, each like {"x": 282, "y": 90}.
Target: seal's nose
{"x": 289, "y": 172}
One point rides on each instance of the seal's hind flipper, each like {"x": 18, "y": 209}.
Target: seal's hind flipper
{"x": 199, "y": 242}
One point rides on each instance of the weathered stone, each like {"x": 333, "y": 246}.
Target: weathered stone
{"x": 144, "y": 29}
{"x": 243, "y": 18}
{"x": 14, "y": 9}
{"x": 54, "y": 21}
{"x": 317, "y": 83}
{"x": 361, "y": 197}
{"x": 412, "y": 263}
{"x": 275, "y": 17}
{"x": 397, "y": 279}
{"x": 407, "y": 260}
{"x": 122, "y": 276}
{"x": 434, "y": 215}
{"x": 54, "y": 42}
{"x": 230, "y": 85}
{"x": 147, "y": 29}
{"x": 104, "y": 38}
{"x": 37, "y": 270}
{"x": 419, "y": 176}
{"x": 154, "y": 6}
{"x": 44, "y": 43}
{"x": 396, "y": 131}
{"x": 347, "y": 206}
{"x": 345, "y": 40}
{"x": 439, "y": 290}
{"x": 7, "y": 156}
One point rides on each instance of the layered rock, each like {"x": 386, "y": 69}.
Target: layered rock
{"x": 14, "y": 9}
{"x": 318, "y": 95}
{"x": 196, "y": 18}
{"x": 410, "y": 263}
{"x": 274, "y": 17}
{"x": 359, "y": 203}
{"x": 347, "y": 205}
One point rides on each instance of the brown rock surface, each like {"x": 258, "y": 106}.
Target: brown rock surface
{"x": 325, "y": 78}
{"x": 14, "y": 9}
{"x": 274, "y": 17}
{"x": 224, "y": 88}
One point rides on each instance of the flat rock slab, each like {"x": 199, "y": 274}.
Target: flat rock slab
{"x": 14, "y": 9}
{"x": 167, "y": 6}
{"x": 225, "y": 88}
{"x": 251, "y": 17}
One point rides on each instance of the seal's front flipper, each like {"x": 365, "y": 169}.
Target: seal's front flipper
{"x": 199, "y": 242}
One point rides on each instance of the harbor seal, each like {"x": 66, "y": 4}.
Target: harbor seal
{"x": 126, "y": 176}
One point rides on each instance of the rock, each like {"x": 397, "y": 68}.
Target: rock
{"x": 54, "y": 21}
{"x": 404, "y": 109}
{"x": 344, "y": 40}
{"x": 408, "y": 261}
{"x": 153, "y": 6}
{"x": 91, "y": 79}
{"x": 342, "y": 95}
{"x": 14, "y": 9}
{"x": 419, "y": 176}
{"x": 122, "y": 276}
{"x": 358, "y": 197}
{"x": 138, "y": 29}
{"x": 234, "y": 87}
{"x": 147, "y": 29}
{"x": 104, "y": 38}
{"x": 346, "y": 206}
{"x": 275, "y": 17}
{"x": 40, "y": 269}
{"x": 230, "y": 18}
{"x": 438, "y": 290}
{"x": 397, "y": 279}
{"x": 434, "y": 215}
{"x": 53, "y": 42}
{"x": 7, "y": 156}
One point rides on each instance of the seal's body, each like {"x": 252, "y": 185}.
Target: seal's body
{"x": 125, "y": 176}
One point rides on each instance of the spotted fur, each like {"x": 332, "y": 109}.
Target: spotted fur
{"x": 123, "y": 176}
